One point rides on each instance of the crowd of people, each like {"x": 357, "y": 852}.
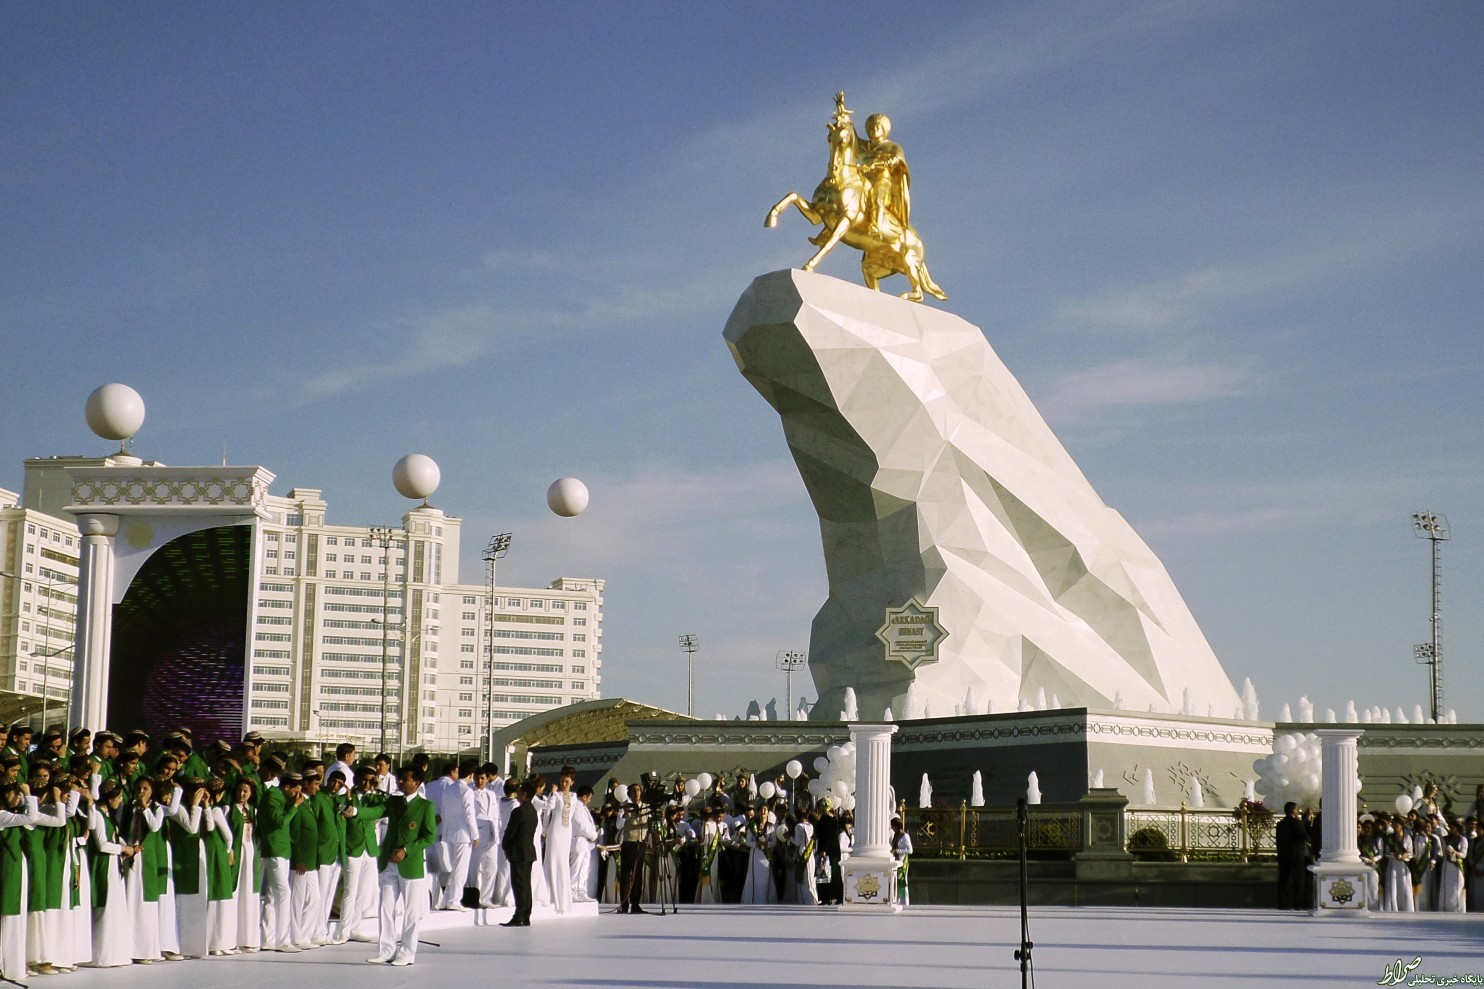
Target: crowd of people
{"x": 123, "y": 849}
{"x": 722, "y": 846}
{"x": 1426, "y": 859}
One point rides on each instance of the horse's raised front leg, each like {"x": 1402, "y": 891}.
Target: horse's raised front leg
{"x": 792, "y": 199}
{"x": 840, "y": 230}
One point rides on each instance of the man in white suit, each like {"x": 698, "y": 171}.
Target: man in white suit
{"x": 458, "y": 829}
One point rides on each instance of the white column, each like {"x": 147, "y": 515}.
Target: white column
{"x": 94, "y": 621}
{"x": 1340, "y": 876}
{"x": 872, "y": 789}
{"x": 1341, "y": 764}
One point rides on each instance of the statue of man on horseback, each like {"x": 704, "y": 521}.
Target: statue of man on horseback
{"x": 865, "y": 200}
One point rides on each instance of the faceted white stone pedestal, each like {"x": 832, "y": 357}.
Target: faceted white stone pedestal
{"x": 870, "y": 885}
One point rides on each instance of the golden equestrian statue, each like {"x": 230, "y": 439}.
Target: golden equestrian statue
{"x": 866, "y": 201}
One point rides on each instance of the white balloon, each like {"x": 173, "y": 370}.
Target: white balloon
{"x": 692, "y": 787}
{"x": 794, "y": 769}
{"x": 833, "y": 752}
{"x": 840, "y": 788}
{"x": 416, "y": 476}
{"x": 567, "y": 497}
{"x": 1403, "y": 804}
{"x": 847, "y": 802}
{"x": 816, "y": 787}
{"x": 114, "y": 411}
{"x": 821, "y": 764}
{"x": 766, "y": 789}
{"x": 705, "y": 780}
{"x": 847, "y": 748}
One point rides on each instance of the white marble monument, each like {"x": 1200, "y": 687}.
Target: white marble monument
{"x": 935, "y": 478}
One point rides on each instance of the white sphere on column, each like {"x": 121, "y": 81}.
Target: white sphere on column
{"x": 567, "y": 497}
{"x": 416, "y": 476}
{"x": 114, "y": 411}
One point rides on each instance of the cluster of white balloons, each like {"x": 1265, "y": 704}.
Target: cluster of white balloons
{"x": 696, "y": 784}
{"x": 836, "y": 776}
{"x": 1293, "y": 772}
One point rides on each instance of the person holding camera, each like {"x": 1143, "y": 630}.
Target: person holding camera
{"x": 634, "y": 827}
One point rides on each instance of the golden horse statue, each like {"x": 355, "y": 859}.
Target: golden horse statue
{"x": 865, "y": 201}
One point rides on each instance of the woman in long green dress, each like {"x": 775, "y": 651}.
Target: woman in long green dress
{"x": 221, "y": 903}
{"x": 108, "y": 857}
{"x": 148, "y": 879}
{"x": 246, "y": 875}
{"x": 45, "y": 850}
{"x": 18, "y": 811}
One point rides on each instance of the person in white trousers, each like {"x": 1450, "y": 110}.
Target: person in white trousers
{"x": 487, "y": 821}
{"x": 411, "y": 829}
{"x": 458, "y": 831}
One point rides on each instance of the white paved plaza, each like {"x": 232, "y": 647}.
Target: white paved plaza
{"x": 922, "y": 948}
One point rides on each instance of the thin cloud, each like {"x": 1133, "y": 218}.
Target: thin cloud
{"x": 1157, "y": 382}
{"x": 423, "y": 343}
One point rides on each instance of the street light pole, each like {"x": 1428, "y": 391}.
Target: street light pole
{"x": 383, "y": 534}
{"x": 690, "y": 645}
{"x": 498, "y": 546}
{"x": 788, "y": 661}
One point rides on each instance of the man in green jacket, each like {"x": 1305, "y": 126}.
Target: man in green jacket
{"x": 411, "y": 829}
{"x": 329, "y": 802}
{"x": 364, "y": 807}
{"x": 304, "y": 858}
{"x": 278, "y": 808}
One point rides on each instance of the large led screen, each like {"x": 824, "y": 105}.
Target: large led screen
{"x": 180, "y": 638}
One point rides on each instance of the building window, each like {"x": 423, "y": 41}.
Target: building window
{"x": 579, "y": 653}
{"x": 559, "y": 605}
{"x": 579, "y": 605}
{"x": 579, "y": 621}
{"x": 364, "y": 575}
{"x": 512, "y": 602}
{"x": 466, "y": 681}
{"x": 467, "y": 647}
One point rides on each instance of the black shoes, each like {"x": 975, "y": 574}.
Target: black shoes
{"x": 512, "y": 922}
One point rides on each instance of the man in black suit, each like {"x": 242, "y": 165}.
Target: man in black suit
{"x": 1294, "y": 856}
{"x": 519, "y": 844}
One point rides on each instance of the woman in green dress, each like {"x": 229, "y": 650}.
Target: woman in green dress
{"x": 221, "y": 891}
{"x": 147, "y": 879}
{"x": 113, "y": 940}
{"x": 246, "y": 869}
{"x": 18, "y": 810}
{"x": 45, "y": 850}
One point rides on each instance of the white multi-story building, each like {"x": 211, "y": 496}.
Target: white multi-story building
{"x": 38, "y": 602}
{"x": 345, "y": 640}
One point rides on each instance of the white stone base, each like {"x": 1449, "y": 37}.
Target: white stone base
{"x": 870, "y": 885}
{"x": 1340, "y": 889}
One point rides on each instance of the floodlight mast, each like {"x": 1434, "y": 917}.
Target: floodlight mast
{"x": 1433, "y": 527}
{"x": 690, "y": 644}
{"x": 788, "y": 661}
{"x": 498, "y": 546}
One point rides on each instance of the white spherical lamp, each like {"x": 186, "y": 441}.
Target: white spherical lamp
{"x": 115, "y": 411}
{"x": 567, "y": 497}
{"x": 416, "y": 476}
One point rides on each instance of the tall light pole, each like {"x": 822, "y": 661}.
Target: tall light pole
{"x": 690, "y": 644}
{"x": 384, "y": 535}
{"x": 498, "y": 546}
{"x": 46, "y": 633}
{"x": 788, "y": 661}
{"x": 1434, "y": 528}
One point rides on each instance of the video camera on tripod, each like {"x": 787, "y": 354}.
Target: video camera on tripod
{"x": 653, "y": 793}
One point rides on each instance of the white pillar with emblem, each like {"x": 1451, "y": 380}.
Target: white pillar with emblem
{"x": 870, "y": 874}
{"x": 1339, "y": 875}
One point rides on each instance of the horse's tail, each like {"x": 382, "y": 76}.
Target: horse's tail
{"x": 928, "y": 285}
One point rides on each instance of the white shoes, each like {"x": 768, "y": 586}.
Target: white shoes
{"x": 401, "y": 962}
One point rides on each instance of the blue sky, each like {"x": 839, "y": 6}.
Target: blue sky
{"x": 1232, "y": 250}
